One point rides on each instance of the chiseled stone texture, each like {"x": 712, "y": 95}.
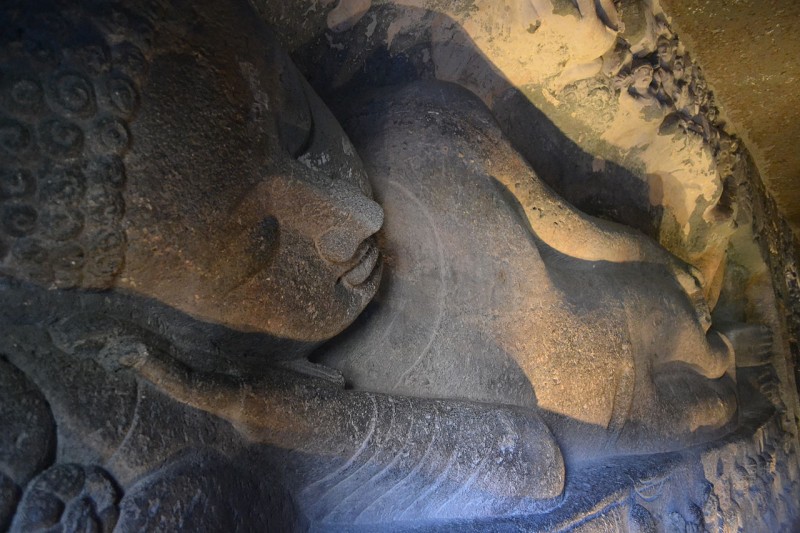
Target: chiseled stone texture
{"x": 751, "y": 54}
{"x": 184, "y": 225}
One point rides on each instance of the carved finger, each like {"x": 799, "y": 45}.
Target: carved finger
{"x": 213, "y": 393}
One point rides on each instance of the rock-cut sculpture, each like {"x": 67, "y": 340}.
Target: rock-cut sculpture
{"x": 498, "y": 290}
{"x": 184, "y": 222}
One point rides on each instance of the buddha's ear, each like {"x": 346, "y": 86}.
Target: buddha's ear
{"x": 293, "y": 115}
{"x": 330, "y": 152}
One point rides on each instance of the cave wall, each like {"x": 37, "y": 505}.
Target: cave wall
{"x": 750, "y": 52}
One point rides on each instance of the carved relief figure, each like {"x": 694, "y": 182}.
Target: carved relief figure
{"x": 499, "y": 291}
{"x": 193, "y": 211}
{"x": 185, "y": 222}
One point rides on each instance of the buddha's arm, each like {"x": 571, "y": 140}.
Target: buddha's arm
{"x": 574, "y": 233}
{"x": 362, "y": 443}
{"x": 571, "y": 232}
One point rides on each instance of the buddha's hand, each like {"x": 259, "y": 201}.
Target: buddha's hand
{"x": 211, "y": 392}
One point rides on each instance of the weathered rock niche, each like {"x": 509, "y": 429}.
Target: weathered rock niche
{"x": 429, "y": 265}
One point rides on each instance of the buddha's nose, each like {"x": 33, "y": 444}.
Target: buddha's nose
{"x": 333, "y": 213}
{"x": 351, "y": 219}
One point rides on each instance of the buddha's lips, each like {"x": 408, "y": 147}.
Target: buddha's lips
{"x": 366, "y": 264}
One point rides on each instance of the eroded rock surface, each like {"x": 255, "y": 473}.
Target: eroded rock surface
{"x": 186, "y": 227}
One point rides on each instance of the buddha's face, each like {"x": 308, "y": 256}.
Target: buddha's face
{"x": 247, "y": 205}
{"x": 164, "y": 153}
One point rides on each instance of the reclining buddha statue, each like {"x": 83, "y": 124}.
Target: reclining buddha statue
{"x": 184, "y": 223}
{"x": 499, "y": 291}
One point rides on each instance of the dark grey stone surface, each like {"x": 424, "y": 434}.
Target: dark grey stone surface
{"x": 184, "y": 223}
